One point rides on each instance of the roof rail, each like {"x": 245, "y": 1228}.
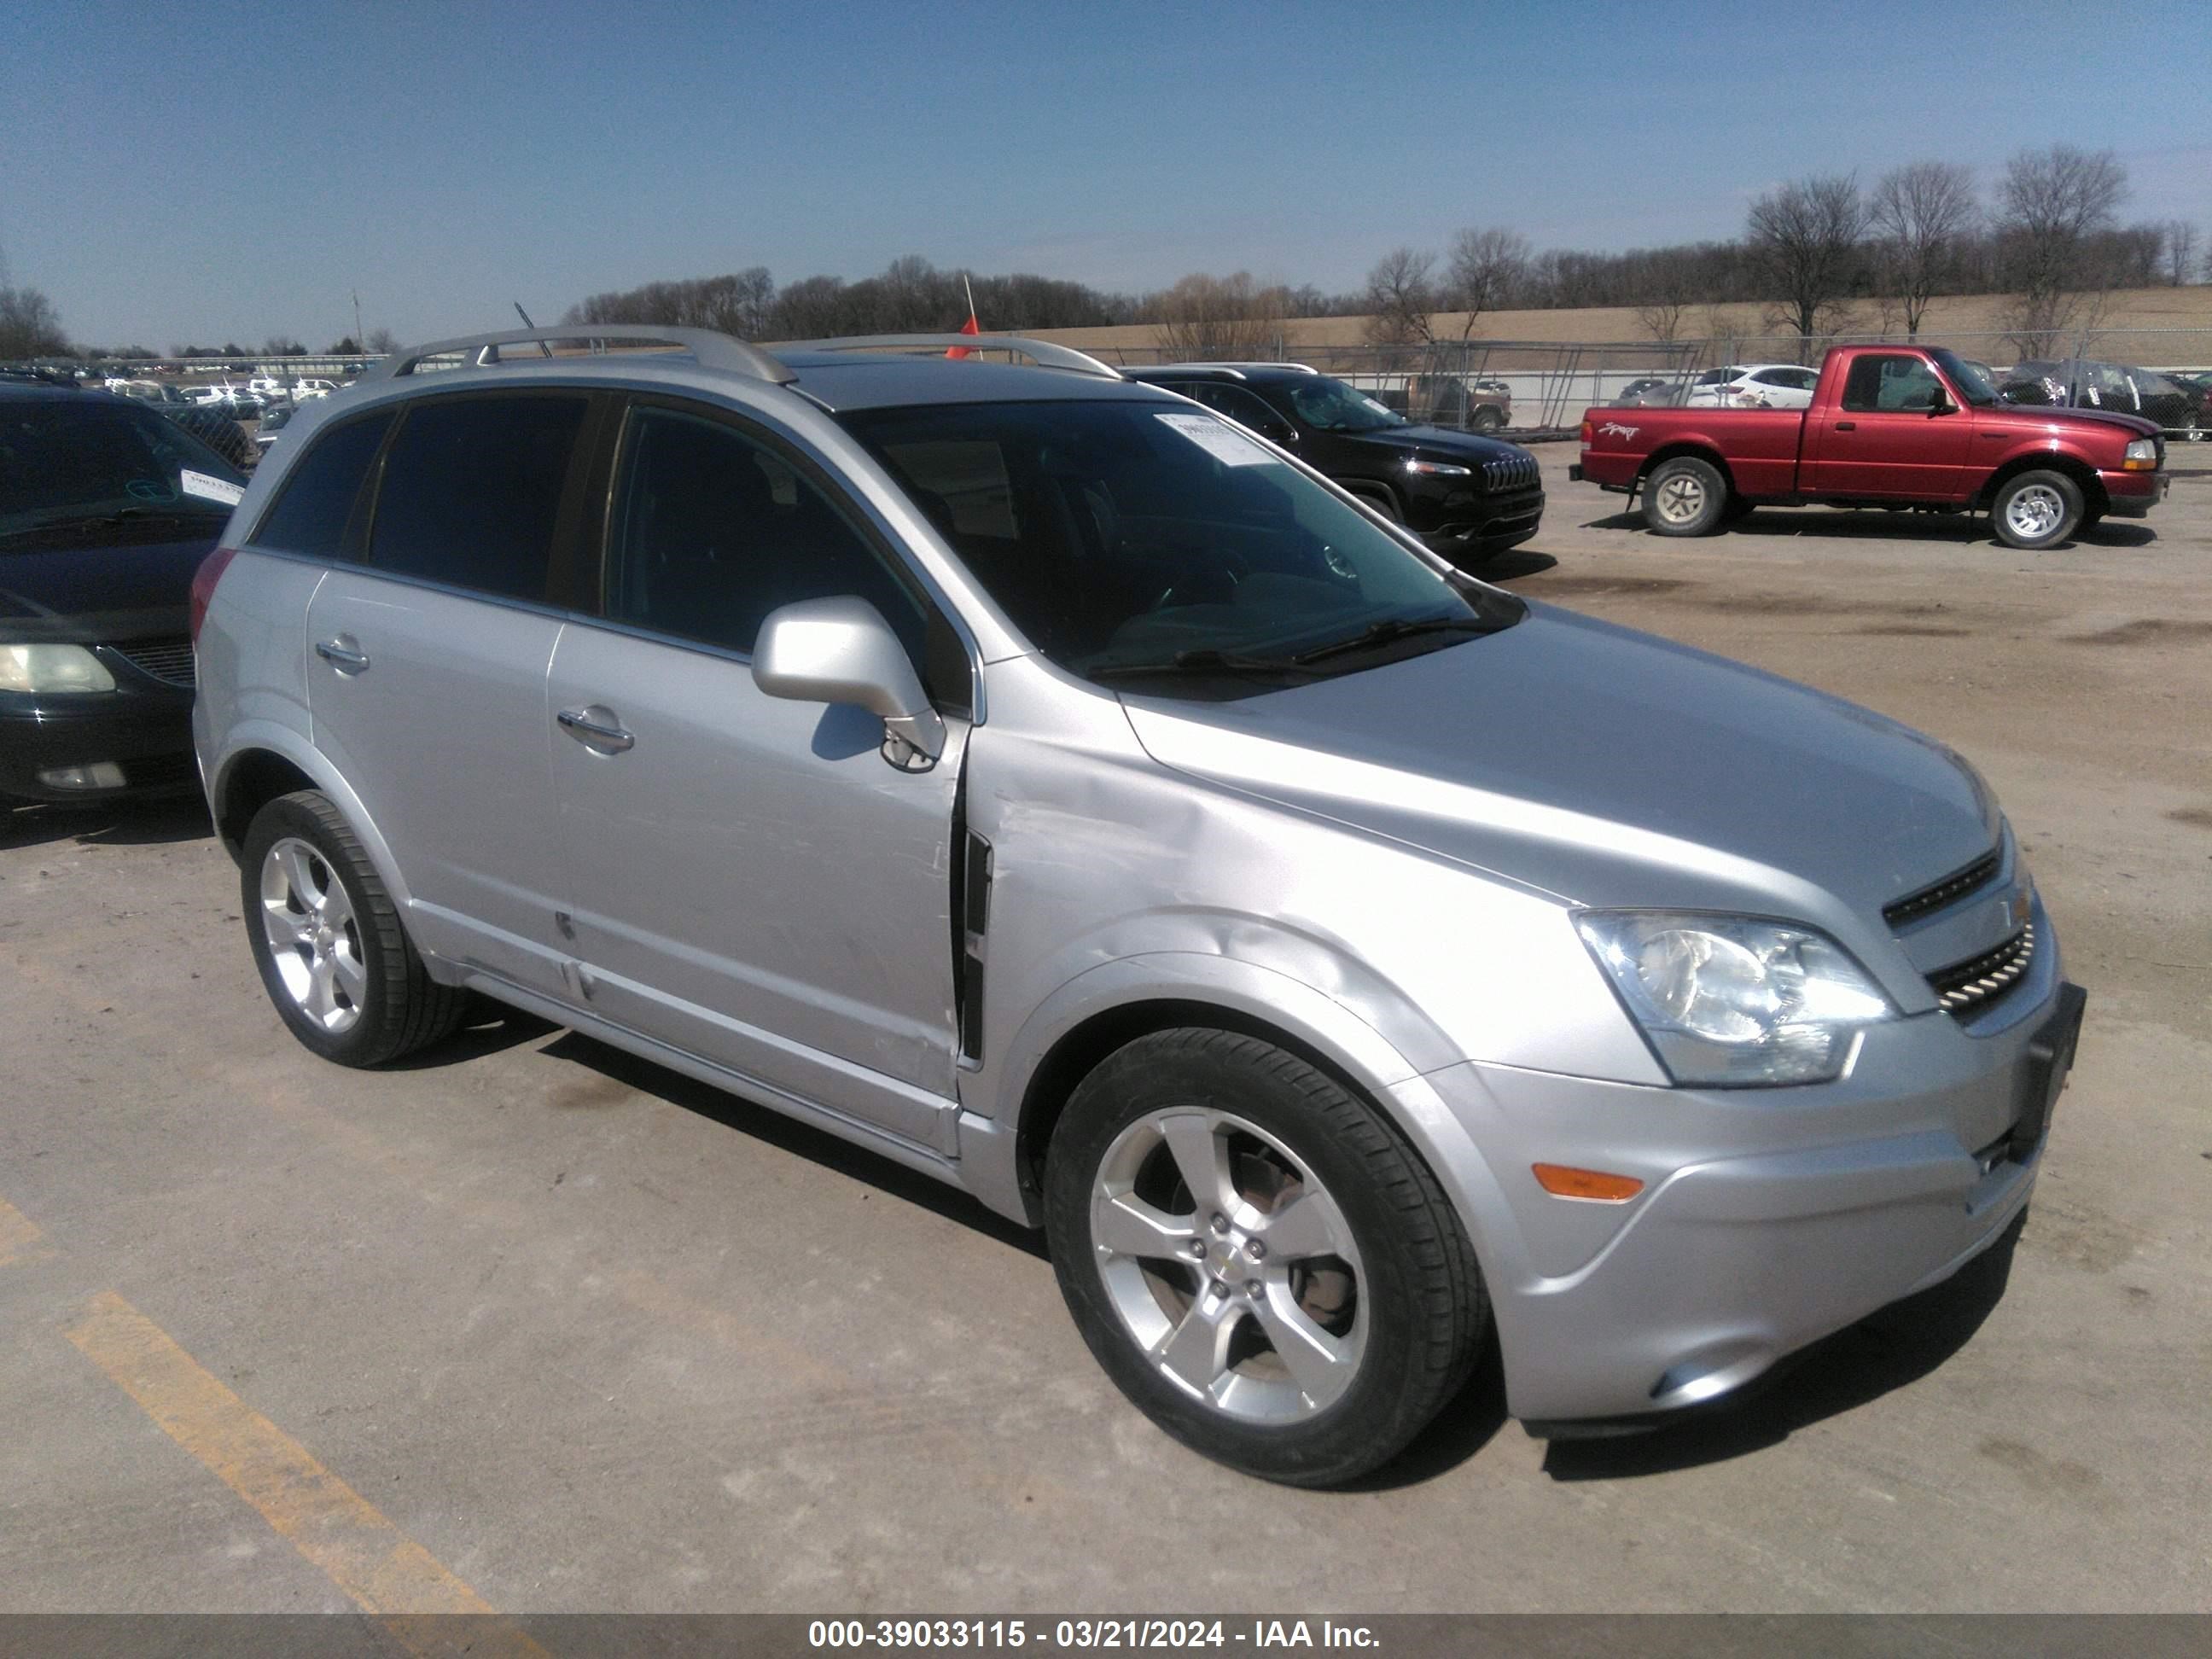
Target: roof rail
{"x": 1240, "y": 365}
{"x": 711, "y": 349}
{"x": 1044, "y": 353}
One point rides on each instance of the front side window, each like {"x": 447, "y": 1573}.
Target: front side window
{"x": 714, "y": 530}
{"x": 1332, "y": 406}
{"x": 472, "y": 491}
{"x": 66, "y": 463}
{"x": 1881, "y": 383}
{"x": 1154, "y": 544}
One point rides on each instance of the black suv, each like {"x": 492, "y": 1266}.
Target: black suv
{"x": 1467, "y": 497}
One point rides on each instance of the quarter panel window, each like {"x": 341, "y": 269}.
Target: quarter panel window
{"x": 715, "y": 530}
{"x": 472, "y": 491}
{"x": 317, "y": 499}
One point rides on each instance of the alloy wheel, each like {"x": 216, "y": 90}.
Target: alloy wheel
{"x": 314, "y": 938}
{"x": 1230, "y": 1265}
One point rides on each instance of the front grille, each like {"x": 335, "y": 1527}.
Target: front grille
{"x": 1982, "y": 980}
{"x": 168, "y": 660}
{"x": 1952, "y": 887}
{"x": 1515, "y": 472}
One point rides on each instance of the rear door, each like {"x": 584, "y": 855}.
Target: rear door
{"x": 1882, "y": 437}
{"x": 753, "y": 882}
{"x": 428, "y": 663}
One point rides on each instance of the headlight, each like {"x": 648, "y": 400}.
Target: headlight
{"x": 1730, "y": 1000}
{"x": 1435, "y": 468}
{"x": 52, "y": 668}
{"x": 2141, "y": 456}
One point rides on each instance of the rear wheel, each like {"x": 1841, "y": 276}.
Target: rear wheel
{"x": 1257, "y": 1260}
{"x": 2036, "y": 509}
{"x": 1685, "y": 496}
{"x": 327, "y": 938}
{"x": 1487, "y": 419}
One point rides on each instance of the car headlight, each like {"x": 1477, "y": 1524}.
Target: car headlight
{"x": 52, "y": 668}
{"x": 2140, "y": 456}
{"x": 1435, "y": 468}
{"x": 1730, "y": 1000}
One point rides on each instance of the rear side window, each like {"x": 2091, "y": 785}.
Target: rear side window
{"x": 318, "y": 498}
{"x": 472, "y": 491}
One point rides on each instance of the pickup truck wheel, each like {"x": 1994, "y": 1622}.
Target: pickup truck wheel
{"x": 2037, "y": 509}
{"x": 1685, "y": 496}
{"x": 1487, "y": 419}
{"x": 1255, "y": 1257}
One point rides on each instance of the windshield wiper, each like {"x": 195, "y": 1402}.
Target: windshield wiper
{"x": 1393, "y": 629}
{"x": 70, "y": 519}
{"x": 1204, "y": 660}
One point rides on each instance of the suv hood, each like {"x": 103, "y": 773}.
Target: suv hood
{"x": 91, "y": 593}
{"x": 2065, "y": 414}
{"x": 1605, "y": 767}
{"x": 1439, "y": 441}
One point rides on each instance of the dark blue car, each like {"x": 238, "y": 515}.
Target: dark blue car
{"x": 105, "y": 512}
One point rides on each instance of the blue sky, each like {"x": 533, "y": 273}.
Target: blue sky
{"x": 212, "y": 170}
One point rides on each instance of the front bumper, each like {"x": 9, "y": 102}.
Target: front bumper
{"x": 2132, "y": 494}
{"x": 142, "y": 736}
{"x": 1490, "y": 529}
{"x": 1768, "y": 1219}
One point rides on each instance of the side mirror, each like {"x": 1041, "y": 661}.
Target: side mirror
{"x": 842, "y": 650}
{"x": 1938, "y": 402}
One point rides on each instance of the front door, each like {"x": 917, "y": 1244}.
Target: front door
{"x": 751, "y": 881}
{"x": 1883, "y": 438}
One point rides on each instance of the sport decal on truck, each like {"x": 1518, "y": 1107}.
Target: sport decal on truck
{"x": 1624, "y": 432}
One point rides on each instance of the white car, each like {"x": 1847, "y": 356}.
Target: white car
{"x": 269, "y": 389}
{"x": 208, "y": 397}
{"x": 1755, "y": 386}
{"x": 304, "y": 389}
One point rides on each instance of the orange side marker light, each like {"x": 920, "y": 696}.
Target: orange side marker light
{"x": 1563, "y": 1181}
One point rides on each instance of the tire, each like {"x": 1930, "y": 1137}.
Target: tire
{"x": 1488, "y": 420}
{"x": 1737, "y": 510}
{"x": 1685, "y": 496}
{"x": 2036, "y": 509}
{"x": 327, "y": 938}
{"x": 1375, "y": 1293}
{"x": 1381, "y": 500}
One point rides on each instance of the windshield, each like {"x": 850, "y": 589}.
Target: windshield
{"x": 1153, "y": 544}
{"x": 1332, "y": 406}
{"x": 64, "y": 460}
{"x": 1972, "y": 380}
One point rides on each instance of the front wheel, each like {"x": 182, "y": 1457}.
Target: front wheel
{"x": 1685, "y": 496}
{"x": 2037, "y": 509}
{"x": 1488, "y": 420}
{"x": 1258, "y": 1260}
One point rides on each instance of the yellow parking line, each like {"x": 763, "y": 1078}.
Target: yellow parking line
{"x": 330, "y": 1523}
{"x": 19, "y": 1237}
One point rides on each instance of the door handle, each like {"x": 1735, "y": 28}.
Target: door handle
{"x": 341, "y": 655}
{"x": 579, "y": 724}
{"x": 1846, "y": 426}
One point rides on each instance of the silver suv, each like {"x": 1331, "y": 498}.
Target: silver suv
{"x": 1031, "y": 777}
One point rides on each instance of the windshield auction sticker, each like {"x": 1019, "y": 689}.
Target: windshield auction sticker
{"x": 215, "y": 489}
{"x": 1230, "y": 447}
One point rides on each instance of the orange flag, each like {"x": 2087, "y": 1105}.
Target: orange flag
{"x": 971, "y": 326}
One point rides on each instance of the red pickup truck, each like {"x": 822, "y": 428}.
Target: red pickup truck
{"x": 1889, "y": 427}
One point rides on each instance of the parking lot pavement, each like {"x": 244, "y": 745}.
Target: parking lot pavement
{"x": 532, "y": 1325}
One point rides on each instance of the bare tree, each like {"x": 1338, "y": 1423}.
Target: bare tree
{"x": 382, "y": 340}
{"x": 2180, "y": 252}
{"x": 29, "y": 324}
{"x": 1805, "y": 240}
{"x": 2050, "y": 206}
{"x": 1400, "y": 299}
{"x": 1919, "y": 212}
{"x": 1221, "y": 319}
{"x": 1484, "y": 269}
